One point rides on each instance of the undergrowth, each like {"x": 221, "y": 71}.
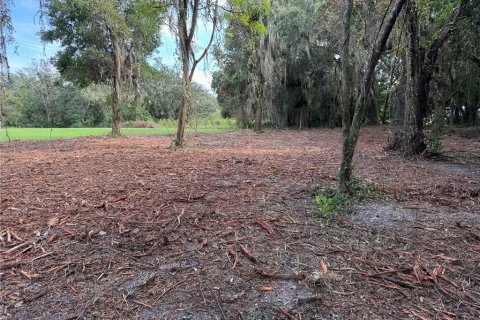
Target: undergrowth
{"x": 331, "y": 200}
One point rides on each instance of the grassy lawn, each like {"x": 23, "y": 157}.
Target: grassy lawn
{"x": 58, "y": 133}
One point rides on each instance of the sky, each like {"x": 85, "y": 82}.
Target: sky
{"x": 28, "y": 47}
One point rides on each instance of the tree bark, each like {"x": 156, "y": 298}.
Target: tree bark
{"x": 4, "y": 67}
{"x": 372, "y": 105}
{"x": 257, "y": 94}
{"x": 420, "y": 66}
{"x": 350, "y": 141}
{"x": 258, "y": 109}
{"x": 346, "y": 86}
{"x": 411, "y": 138}
{"x": 185, "y": 49}
{"x": 185, "y": 103}
{"x": 117, "y": 59}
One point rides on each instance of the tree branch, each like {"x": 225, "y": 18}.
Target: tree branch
{"x": 447, "y": 30}
{"x": 196, "y": 4}
{"x": 204, "y": 53}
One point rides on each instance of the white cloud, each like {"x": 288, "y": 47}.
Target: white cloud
{"x": 203, "y": 78}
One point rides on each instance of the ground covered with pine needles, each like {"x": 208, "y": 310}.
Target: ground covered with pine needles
{"x": 100, "y": 228}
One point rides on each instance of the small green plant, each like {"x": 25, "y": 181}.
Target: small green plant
{"x": 216, "y": 214}
{"x": 434, "y": 142}
{"x": 331, "y": 200}
{"x": 434, "y": 145}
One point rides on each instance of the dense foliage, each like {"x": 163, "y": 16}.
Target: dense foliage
{"x": 280, "y": 65}
{"x": 40, "y": 97}
{"x": 298, "y": 63}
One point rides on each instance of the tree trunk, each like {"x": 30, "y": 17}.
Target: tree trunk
{"x": 185, "y": 39}
{"x": 420, "y": 67}
{"x": 185, "y": 51}
{"x": 258, "y": 116}
{"x": 372, "y": 106}
{"x": 258, "y": 104}
{"x": 117, "y": 59}
{"x": 411, "y": 135}
{"x": 185, "y": 103}
{"x": 350, "y": 141}
{"x": 346, "y": 86}
{"x": 387, "y": 110}
{"x": 4, "y": 68}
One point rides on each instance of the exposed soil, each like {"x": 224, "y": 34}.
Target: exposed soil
{"x": 98, "y": 228}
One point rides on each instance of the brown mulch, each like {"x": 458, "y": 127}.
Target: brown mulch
{"x": 225, "y": 229}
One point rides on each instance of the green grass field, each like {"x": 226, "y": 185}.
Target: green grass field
{"x": 15, "y": 134}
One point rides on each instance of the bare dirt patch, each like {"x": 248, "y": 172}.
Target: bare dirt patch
{"x": 225, "y": 229}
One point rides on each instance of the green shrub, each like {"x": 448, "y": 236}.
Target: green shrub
{"x": 139, "y": 124}
{"x": 331, "y": 201}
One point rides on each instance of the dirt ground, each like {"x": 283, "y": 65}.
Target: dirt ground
{"x": 98, "y": 228}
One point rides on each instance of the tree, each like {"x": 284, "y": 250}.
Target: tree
{"x": 37, "y": 96}
{"x": 293, "y": 64}
{"x": 6, "y": 36}
{"x": 351, "y": 137}
{"x": 186, "y": 15}
{"x": 103, "y": 41}
{"x": 163, "y": 89}
{"x": 421, "y": 60}
{"x": 346, "y": 86}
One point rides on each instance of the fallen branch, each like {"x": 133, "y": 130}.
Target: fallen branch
{"x": 265, "y": 226}
{"x": 179, "y": 218}
{"x": 36, "y": 295}
{"x": 10, "y": 265}
{"x": 391, "y": 286}
{"x": 142, "y": 304}
{"x": 168, "y": 289}
{"x": 379, "y": 274}
{"x": 42, "y": 256}
{"x": 124, "y": 197}
{"x": 288, "y": 315}
{"x": 247, "y": 253}
{"x": 21, "y": 245}
{"x": 234, "y": 255}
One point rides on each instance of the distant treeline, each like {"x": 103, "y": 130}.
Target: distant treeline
{"x": 294, "y": 73}
{"x": 39, "y": 97}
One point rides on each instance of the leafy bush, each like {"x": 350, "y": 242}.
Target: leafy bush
{"x": 139, "y": 124}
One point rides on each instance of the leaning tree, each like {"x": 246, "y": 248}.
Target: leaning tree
{"x": 352, "y": 132}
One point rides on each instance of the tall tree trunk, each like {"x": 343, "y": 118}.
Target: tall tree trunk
{"x": 185, "y": 48}
{"x": 350, "y": 141}
{"x": 411, "y": 135}
{"x": 372, "y": 105}
{"x": 185, "y": 103}
{"x": 346, "y": 83}
{"x": 258, "y": 112}
{"x": 185, "y": 39}
{"x": 4, "y": 67}
{"x": 257, "y": 94}
{"x": 117, "y": 78}
{"x": 421, "y": 62}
